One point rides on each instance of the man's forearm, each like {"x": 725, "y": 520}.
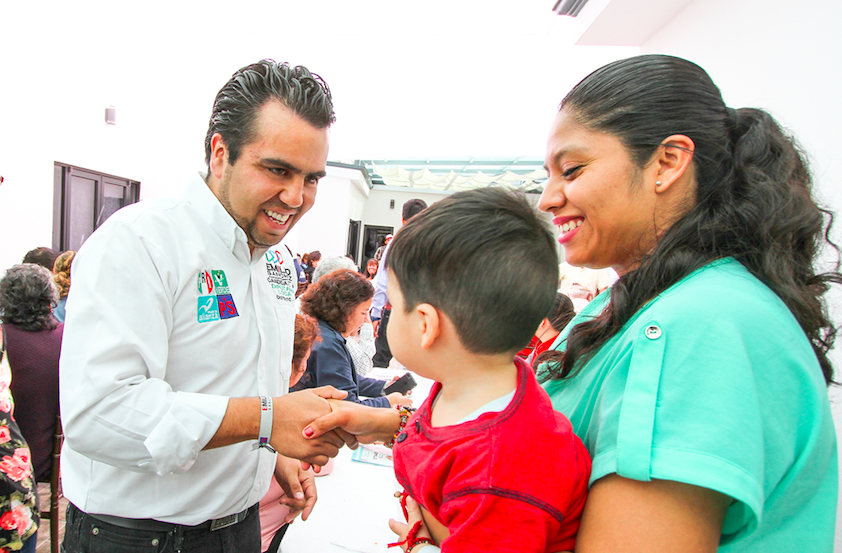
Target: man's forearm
{"x": 240, "y": 423}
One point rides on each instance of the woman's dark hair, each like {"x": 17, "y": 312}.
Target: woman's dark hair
{"x": 335, "y": 296}
{"x": 753, "y": 197}
{"x": 237, "y": 103}
{"x": 27, "y": 297}
{"x": 315, "y": 256}
{"x": 561, "y": 313}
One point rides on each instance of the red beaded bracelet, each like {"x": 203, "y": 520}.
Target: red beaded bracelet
{"x": 405, "y": 413}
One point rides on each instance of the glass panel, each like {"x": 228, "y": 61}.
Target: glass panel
{"x": 81, "y": 211}
{"x": 113, "y": 199}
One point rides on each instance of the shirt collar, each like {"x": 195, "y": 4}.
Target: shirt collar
{"x": 199, "y": 194}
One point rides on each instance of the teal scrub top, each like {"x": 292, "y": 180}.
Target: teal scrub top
{"x": 714, "y": 384}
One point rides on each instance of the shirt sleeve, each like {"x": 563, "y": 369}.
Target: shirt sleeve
{"x": 687, "y": 406}
{"x": 116, "y": 405}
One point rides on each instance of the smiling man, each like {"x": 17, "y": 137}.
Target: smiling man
{"x": 178, "y": 349}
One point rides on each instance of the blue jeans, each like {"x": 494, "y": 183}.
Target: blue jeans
{"x": 85, "y": 534}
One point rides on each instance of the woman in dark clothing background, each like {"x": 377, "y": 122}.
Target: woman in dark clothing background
{"x": 33, "y": 343}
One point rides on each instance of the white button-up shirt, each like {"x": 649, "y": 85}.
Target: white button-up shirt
{"x": 169, "y": 316}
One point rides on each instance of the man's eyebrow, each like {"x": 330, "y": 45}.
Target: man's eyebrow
{"x": 275, "y": 162}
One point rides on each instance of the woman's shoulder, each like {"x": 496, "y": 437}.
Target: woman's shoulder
{"x": 724, "y": 289}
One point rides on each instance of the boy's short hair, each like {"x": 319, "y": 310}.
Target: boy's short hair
{"x": 486, "y": 259}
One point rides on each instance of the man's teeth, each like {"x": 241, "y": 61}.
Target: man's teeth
{"x": 279, "y": 218}
{"x": 570, "y": 225}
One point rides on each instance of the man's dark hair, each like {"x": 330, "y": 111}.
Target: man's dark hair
{"x": 412, "y": 207}
{"x": 45, "y": 257}
{"x": 484, "y": 258}
{"x": 237, "y": 103}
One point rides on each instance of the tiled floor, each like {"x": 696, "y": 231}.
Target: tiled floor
{"x": 43, "y": 545}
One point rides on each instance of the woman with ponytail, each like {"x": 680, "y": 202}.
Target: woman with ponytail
{"x": 698, "y": 381}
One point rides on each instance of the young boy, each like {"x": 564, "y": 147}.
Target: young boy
{"x": 490, "y": 462}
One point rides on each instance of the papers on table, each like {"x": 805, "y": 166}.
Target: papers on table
{"x": 373, "y": 454}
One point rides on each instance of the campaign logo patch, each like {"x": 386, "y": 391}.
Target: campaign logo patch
{"x": 215, "y": 299}
{"x": 227, "y": 309}
{"x": 205, "y": 282}
{"x": 220, "y": 282}
{"x": 274, "y": 256}
{"x": 208, "y": 309}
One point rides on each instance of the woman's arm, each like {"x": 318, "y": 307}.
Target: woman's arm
{"x": 661, "y": 516}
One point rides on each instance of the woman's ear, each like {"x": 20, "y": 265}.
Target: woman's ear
{"x": 430, "y": 320}
{"x": 672, "y": 162}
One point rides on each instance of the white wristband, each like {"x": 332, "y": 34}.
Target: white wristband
{"x": 266, "y": 420}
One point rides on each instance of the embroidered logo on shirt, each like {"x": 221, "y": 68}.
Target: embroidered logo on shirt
{"x": 227, "y": 309}
{"x": 208, "y": 309}
{"x": 215, "y": 299}
{"x": 282, "y": 279}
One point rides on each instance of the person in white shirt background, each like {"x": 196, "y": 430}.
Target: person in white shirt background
{"x": 178, "y": 342}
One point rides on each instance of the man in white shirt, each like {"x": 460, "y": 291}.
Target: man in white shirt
{"x": 177, "y": 356}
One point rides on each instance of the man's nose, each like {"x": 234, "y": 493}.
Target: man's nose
{"x": 293, "y": 193}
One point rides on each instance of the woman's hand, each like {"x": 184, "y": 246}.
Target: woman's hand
{"x": 413, "y": 515}
{"x": 396, "y": 398}
{"x": 299, "y": 487}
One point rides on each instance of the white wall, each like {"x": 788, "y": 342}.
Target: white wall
{"x": 785, "y": 58}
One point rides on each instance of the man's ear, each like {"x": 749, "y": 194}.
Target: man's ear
{"x": 218, "y": 155}
{"x": 431, "y": 324}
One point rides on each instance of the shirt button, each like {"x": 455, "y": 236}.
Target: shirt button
{"x": 653, "y": 332}
{"x": 402, "y": 437}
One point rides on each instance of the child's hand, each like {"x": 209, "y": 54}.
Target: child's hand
{"x": 413, "y": 513}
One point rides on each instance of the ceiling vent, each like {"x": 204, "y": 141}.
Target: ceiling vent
{"x": 569, "y": 7}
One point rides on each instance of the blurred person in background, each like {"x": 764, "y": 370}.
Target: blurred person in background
{"x": 61, "y": 274}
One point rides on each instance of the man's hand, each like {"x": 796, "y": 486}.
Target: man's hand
{"x": 355, "y": 422}
{"x": 292, "y": 413}
{"x": 299, "y": 487}
{"x": 375, "y": 325}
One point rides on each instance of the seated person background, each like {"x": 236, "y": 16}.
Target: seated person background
{"x": 551, "y": 326}
{"x": 275, "y": 513}
{"x": 360, "y": 343}
{"x": 493, "y": 465}
{"x": 340, "y": 302}
{"x": 33, "y": 344}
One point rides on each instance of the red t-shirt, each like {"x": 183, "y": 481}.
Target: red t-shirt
{"x": 514, "y": 480}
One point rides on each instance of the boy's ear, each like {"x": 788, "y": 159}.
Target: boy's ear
{"x": 430, "y": 321}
